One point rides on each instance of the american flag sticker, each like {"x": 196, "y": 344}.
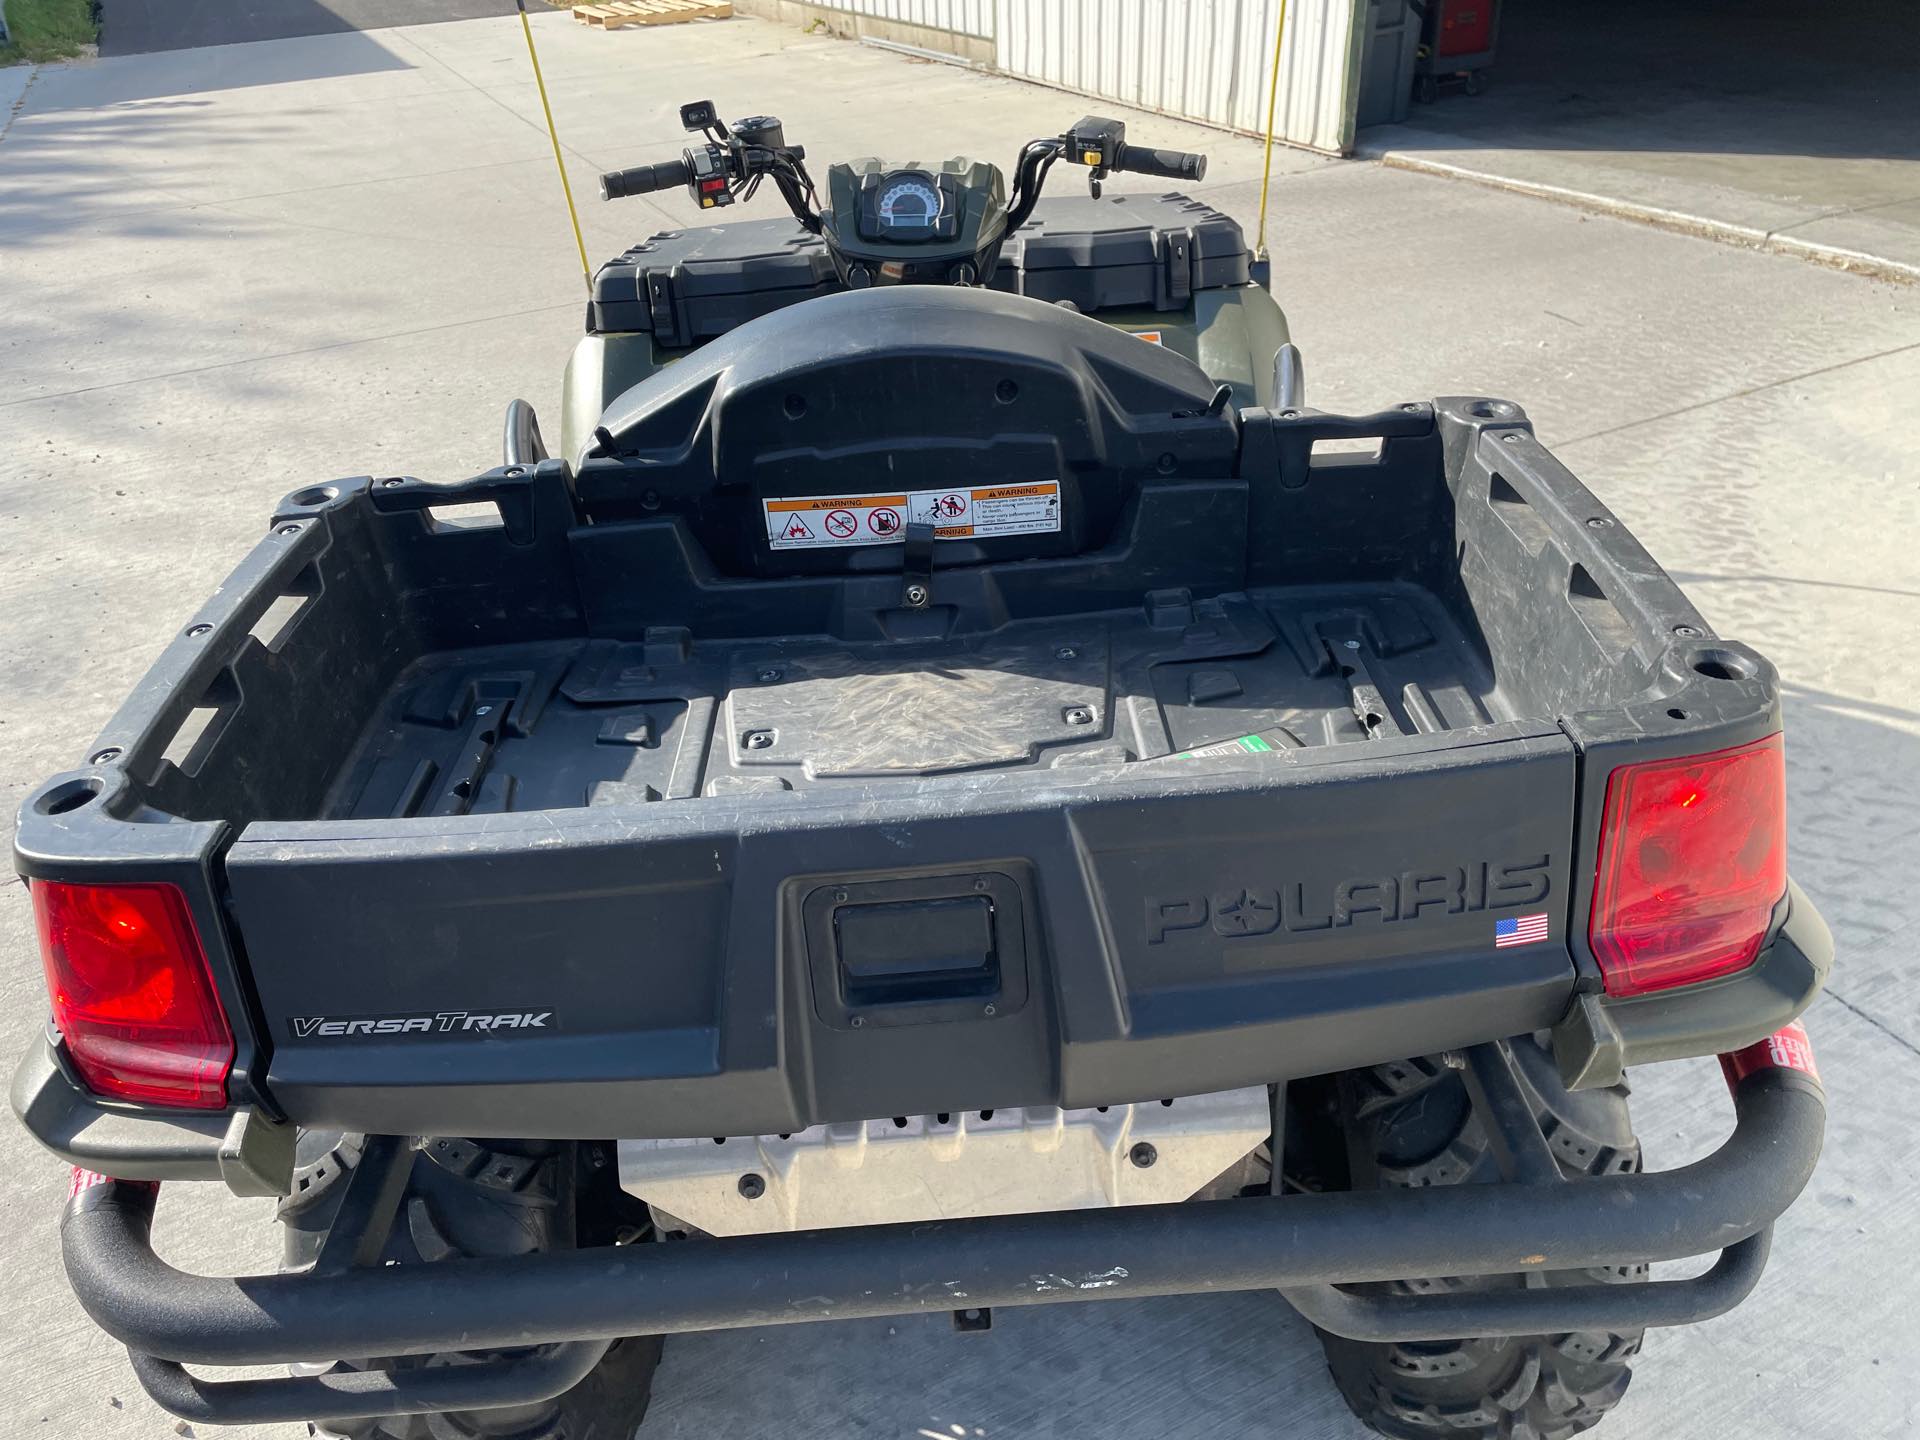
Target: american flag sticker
{"x": 1519, "y": 930}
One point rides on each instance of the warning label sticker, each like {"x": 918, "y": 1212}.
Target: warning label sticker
{"x": 959, "y": 513}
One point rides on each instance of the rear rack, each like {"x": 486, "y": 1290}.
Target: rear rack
{"x": 568, "y": 1305}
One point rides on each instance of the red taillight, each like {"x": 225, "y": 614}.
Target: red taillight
{"x": 1693, "y": 859}
{"x": 132, "y": 995}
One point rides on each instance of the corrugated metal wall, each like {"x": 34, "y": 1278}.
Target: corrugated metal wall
{"x": 962, "y": 17}
{"x": 1203, "y": 59}
{"x": 1206, "y": 60}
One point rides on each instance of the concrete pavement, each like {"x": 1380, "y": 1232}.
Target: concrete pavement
{"x": 228, "y": 272}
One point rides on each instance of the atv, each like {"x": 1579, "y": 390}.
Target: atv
{"x": 956, "y": 790}
{"x": 1169, "y": 270}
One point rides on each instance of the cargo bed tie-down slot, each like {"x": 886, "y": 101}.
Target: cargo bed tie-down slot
{"x": 1370, "y": 708}
{"x": 487, "y": 709}
{"x": 555, "y": 1312}
{"x": 916, "y": 565}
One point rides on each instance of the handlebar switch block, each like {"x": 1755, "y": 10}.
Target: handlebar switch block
{"x": 711, "y": 169}
{"x": 1096, "y": 141}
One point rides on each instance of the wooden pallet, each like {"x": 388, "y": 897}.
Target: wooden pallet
{"x": 612, "y": 14}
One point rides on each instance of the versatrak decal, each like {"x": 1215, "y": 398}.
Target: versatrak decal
{"x": 440, "y": 1022}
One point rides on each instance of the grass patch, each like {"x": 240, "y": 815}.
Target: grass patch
{"x": 47, "y": 29}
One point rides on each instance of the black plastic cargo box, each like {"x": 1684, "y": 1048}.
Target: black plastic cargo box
{"x": 1123, "y": 251}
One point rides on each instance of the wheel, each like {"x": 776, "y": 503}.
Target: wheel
{"x": 1411, "y": 1124}
{"x": 465, "y": 1198}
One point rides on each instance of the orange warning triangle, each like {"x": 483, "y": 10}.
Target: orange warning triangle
{"x": 796, "y": 530}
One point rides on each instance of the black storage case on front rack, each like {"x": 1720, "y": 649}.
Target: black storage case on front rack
{"x": 685, "y": 287}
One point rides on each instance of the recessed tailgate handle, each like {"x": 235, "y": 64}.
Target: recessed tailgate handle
{"x": 916, "y": 950}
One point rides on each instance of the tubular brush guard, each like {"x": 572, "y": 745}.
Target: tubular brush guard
{"x": 555, "y": 1313}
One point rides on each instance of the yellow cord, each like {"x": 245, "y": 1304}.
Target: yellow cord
{"x": 586, "y": 270}
{"x": 1273, "y": 94}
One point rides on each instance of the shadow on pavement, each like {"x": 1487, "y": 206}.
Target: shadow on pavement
{"x": 199, "y": 72}
{"x": 139, "y": 27}
{"x": 86, "y": 169}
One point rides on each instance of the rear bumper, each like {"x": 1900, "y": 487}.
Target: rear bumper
{"x": 250, "y": 1152}
{"x": 572, "y": 1302}
{"x": 1601, "y": 1036}
{"x": 1595, "y": 1037}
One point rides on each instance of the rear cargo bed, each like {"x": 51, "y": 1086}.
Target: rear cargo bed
{"x": 604, "y": 820}
{"x": 599, "y": 722}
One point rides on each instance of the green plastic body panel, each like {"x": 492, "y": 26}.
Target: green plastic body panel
{"x": 601, "y": 368}
{"x": 1231, "y": 333}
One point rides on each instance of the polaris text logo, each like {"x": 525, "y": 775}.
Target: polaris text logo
{"x": 1254, "y": 909}
{"x": 441, "y": 1022}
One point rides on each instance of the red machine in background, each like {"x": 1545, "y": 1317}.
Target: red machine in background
{"x": 1457, "y": 39}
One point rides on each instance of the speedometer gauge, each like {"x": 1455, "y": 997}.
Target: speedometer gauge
{"x": 909, "y": 205}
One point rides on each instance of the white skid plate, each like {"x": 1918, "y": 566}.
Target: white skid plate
{"x": 929, "y": 1167}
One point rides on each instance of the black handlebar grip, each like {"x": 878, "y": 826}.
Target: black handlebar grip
{"x": 1173, "y": 164}
{"x": 644, "y": 179}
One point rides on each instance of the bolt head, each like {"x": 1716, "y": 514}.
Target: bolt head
{"x": 768, "y": 676}
{"x": 101, "y": 757}
{"x": 1143, "y": 1155}
{"x": 916, "y": 594}
{"x": 198, "y": 630}
{"x": 759, "y": 739}
{"x": 289, "y": 530}
{"x": 1687, "y": 632}
{"x": 1065, "y": 652}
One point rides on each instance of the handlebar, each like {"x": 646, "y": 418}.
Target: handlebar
{"x": 735, "y": 158}
{"x": 1171, "y": 164}
{"x": 645, "y": 179}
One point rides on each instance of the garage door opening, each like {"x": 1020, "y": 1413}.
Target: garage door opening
{"x": 1764, "y": 121}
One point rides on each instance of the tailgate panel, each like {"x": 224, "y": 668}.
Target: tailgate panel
{"x": 1085, "y": 937}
